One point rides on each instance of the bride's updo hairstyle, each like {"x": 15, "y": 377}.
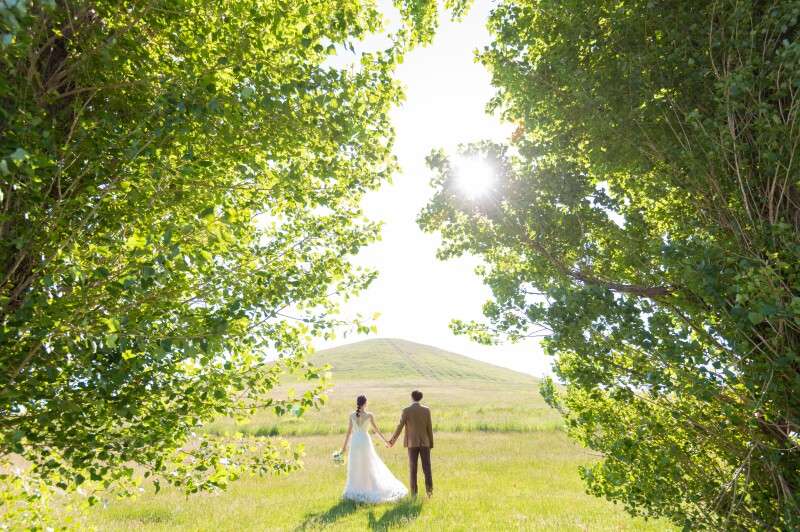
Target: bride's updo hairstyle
{"x": 360, "y": 401}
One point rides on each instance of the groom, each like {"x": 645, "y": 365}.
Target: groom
{"x": 418, "y": 439}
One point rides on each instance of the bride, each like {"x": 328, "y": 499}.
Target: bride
{"x": 368, "y": 478}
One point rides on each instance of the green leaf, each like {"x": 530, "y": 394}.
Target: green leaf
{"x": 112, "y": 324}
{"x": 135, "y": 241}
{"x": 111, "y": 340}
{"x": 207, "y": 213}
{"x": 19, "y": 155}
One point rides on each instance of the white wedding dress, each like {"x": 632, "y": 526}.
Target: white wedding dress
{"x": 368, "y": 478}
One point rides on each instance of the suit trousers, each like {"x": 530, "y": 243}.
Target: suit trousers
{"x": 425, "y": 454}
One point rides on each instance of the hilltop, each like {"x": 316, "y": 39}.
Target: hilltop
{"x": 392, "y": 359}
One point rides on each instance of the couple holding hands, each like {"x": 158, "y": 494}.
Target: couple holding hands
{"x": 368, "y": 478}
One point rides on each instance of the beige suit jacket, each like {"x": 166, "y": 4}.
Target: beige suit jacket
{"x": 419, "y": 429}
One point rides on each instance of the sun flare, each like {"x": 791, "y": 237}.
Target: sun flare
{"x": 474, "y": 176}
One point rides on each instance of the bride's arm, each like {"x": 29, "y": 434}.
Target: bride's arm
{"x": 375, "y": 428}
{"x": 347, "y": 436}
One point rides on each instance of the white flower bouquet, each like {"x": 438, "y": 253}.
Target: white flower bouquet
{"x": 338, "y": 458}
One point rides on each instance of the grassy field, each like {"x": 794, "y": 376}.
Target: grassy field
{"x": 487, "y": 407}
{"x": 501, "y": 461}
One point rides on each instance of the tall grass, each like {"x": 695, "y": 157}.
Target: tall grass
{"x": 456, "y": 408}
{"x": 501, "y": 461}
{"x": 482, "y": 481}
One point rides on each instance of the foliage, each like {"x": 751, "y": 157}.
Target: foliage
{"x": 180, "y": 187}
{"x": 645, "y": 220}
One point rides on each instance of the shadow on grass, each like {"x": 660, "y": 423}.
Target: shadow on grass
{"x": 398, "y": 513}
{"x": 339, "y": 510}
{"x": 402, "y": 512}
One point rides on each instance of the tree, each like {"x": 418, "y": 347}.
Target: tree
{"x": 180, "y": 188}
{"x": 645, "y": 221}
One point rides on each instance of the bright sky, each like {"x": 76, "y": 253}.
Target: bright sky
{"x": 416, "y": 294}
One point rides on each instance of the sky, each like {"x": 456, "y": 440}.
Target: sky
{"x": 417, "y": 295}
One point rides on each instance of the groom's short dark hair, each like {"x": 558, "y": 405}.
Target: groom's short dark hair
{"x": 416, "y": 395}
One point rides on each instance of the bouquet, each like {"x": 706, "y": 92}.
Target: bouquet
{"x": 338, "y": 458}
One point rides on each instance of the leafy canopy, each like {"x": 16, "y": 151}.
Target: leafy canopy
{"x": 180, "y": 186}
{"x": 645, "y": 220}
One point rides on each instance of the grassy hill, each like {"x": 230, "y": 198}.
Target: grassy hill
{"x": 390, "y": 359}
{"x": 501, "y": 461}
{"x": 465, "y": 394}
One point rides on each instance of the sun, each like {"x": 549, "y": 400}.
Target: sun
{"x": 474, "y": 176}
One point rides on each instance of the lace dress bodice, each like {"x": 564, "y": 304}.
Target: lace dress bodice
{"x": 361, "y": 423}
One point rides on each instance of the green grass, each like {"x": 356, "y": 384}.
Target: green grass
{"x": 487, "y": 407}
{"x": 495, "y": 481}
{"x": 501, "y": 461}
